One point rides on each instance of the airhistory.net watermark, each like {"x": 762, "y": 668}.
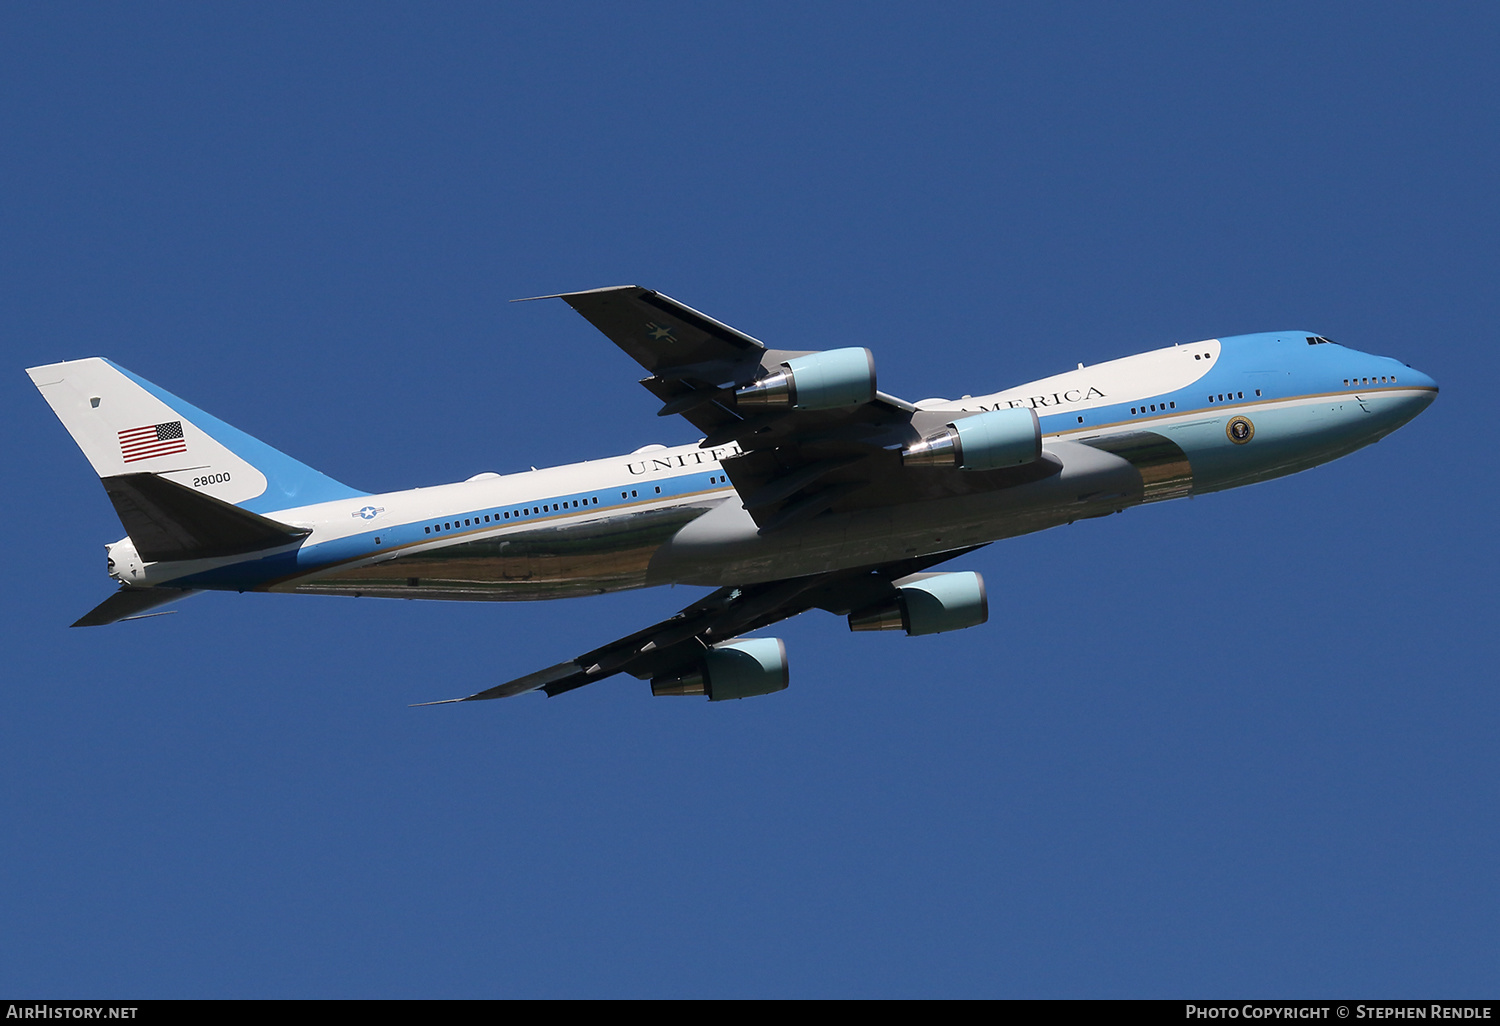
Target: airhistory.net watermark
{"x": 42, "y": 1010}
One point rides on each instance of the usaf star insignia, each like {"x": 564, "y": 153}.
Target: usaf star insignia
{"x": 659, "y": 333}
{"x": 368, "y": 512}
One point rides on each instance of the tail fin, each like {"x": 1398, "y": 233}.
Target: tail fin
{"x": 126, "y": 425}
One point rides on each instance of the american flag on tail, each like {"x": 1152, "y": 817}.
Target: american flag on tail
{"x": 143, "y": 443}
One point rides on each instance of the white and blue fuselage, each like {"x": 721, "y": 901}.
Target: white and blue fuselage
{"x": 1208, "y": 415}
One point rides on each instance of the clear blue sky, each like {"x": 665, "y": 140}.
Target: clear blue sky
{"x": 1243, "y": 745}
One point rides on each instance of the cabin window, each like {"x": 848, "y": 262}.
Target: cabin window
{"x": 658, "y": 489}
{"x": 632, "y": 493}
{"x": 426, "y": 530}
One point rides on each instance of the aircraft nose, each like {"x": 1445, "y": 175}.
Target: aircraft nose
{"x": 1423, "y": 391}
{"x": 1419, "y": 380}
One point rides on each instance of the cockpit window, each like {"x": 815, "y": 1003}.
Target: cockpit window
{"x": 1317, "y": 340}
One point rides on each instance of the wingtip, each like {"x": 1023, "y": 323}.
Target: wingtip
{"x": 565, "y": 295}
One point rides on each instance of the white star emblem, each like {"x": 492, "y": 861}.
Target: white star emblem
{"x": 660, "y": 333}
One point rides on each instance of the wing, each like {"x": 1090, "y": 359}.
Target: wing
{"x": 797, "y": 459}
{"x": 677, "y": 646}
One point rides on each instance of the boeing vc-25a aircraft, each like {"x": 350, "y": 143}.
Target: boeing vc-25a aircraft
{"x": 810, "y": 488}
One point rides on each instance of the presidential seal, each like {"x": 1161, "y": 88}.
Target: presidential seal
{"x": 1239, "y": 430}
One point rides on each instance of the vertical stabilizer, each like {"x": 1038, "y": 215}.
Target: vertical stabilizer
{"x": 126, "y": 425}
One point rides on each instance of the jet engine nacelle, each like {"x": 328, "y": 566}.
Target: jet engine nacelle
{"x": 820, "y": 381}
{"x": 985, "y": 441}
{"x": 738, "y": 668}
{"x": 928, "y": 604}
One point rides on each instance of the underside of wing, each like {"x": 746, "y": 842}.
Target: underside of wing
{"x": 687, "y": 652}
{"x": 130, "y": 604}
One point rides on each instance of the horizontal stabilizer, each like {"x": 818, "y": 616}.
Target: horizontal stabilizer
{"x": 168, "y": 521}
{"x": 130, "y": 602}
